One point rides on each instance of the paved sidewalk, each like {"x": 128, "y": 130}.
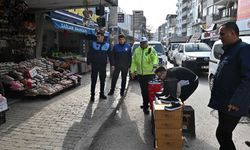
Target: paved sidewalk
{"x": 68, "y": 121}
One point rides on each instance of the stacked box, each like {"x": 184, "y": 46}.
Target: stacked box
{"x": 168, "y": 128}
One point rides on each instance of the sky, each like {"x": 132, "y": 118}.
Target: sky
{"x": 155, "y": 11}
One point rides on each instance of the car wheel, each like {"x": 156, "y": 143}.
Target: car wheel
{"x": 211, "y": 81}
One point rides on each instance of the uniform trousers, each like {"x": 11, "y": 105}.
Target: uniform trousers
{"x": 98, "y": 69}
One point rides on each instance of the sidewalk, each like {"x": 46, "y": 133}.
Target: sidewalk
{"x": 68, "y": 121}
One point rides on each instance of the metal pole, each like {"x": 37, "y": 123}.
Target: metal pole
{"x": 133, "y": 26}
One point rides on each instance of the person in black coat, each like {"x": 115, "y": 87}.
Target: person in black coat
{"x": 230, "y": 94}
{"x": 97, "y": 62}
{"x": 122, "y": 62}
{"x": 179, "y": 82}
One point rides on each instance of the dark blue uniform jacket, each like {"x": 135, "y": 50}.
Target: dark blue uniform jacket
{"x": 98, "y": 54}
{"x": 232, "y": 80}
{"x": 122, "y": 55}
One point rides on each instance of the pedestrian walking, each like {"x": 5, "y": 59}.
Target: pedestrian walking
{"x": 122, "y": 62}
{"x": 144, "y": 60}
{"x": 179, "y": 82}
{"x": 230, "y": 92}
{"x": 97, "y": 62}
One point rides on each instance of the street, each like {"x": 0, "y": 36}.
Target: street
{"x": 130, "y": 129}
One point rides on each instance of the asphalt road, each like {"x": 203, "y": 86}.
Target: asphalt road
{"x": 130, "y": 129}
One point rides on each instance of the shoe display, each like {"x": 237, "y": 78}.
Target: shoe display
{"x": 111, "y": 92}
{"x": 168, "y": 99}
{"x": 173, "y": 106}
{"x": 102, "y": 96}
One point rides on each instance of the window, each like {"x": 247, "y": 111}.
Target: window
{"x": 197, "y": 47}
{"x": 210, "y": 11}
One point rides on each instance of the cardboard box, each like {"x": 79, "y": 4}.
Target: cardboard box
{"x": 169, "y": 144}
{"x": 168, "y": 134}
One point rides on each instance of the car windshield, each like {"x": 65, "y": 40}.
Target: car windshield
{"x": 156, "y": 46}
{"x": 174, "y": 46}
{"x": 197, "y": 47}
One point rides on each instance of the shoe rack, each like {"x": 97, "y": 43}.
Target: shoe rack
{"x": 17, "y": 32}
{"x": 167, "y": 128}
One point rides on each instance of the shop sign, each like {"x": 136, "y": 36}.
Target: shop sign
{"x": 206, "y": 35}
{"x": 59, "y": 24}
{"x": 120, "y": 18}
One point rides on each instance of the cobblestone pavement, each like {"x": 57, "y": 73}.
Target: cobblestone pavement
{"x": 67, "y": 121}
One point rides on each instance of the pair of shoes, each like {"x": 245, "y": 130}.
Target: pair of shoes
{"x": 173, "y": 106}
{"x": 158, "y": 94}
{"x": 146, "y": 111}
{"x": 92, "y": 98}
{"x": 111, "y": 92}
{"x": 102, "y": 96}
{"x": 122, "y": 94}
{"x": 168, "y": 99}
{"x": 247, "y": 143}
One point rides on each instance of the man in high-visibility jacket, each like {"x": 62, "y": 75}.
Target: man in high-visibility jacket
{"x": 144, "y": 61}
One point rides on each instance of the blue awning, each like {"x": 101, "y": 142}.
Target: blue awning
{"x": 59, "y": 24}
{"x": 63, "y": 25}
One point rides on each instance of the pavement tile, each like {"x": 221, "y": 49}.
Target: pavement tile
{"x": 67, "y": 121}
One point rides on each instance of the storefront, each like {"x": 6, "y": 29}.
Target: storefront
{"x": 65, "y": 38}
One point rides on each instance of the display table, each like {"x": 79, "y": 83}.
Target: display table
{"x": 167, "y": 128}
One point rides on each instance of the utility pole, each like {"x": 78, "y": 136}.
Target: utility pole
{"x": 113, "y": 28}
{"x": 133, "y": 26}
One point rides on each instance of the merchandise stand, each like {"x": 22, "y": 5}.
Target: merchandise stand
{"x": 36, "y": 78}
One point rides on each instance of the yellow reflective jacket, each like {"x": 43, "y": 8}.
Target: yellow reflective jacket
{"x": 144, "y": 60}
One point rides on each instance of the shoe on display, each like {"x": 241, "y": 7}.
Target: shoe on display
{"x": 111, "y": 92}
{"x": 158, "y": 94}
{"x": 173, "y": 106}
{"x": 164, "y": 97}
{"x": 102, "y": 96}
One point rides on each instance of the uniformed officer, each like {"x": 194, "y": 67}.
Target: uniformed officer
{"x": 97, "y": 62}
{"x": 122, "y": 61}
{"x": 144, "y": 60}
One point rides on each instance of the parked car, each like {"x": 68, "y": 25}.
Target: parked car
{"x": 172, "y": 50}
{"x": 194, "y": 56}
{"x": 159, "y": 49}
{"x": 214, "y": 58}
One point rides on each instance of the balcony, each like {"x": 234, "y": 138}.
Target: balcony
{"x": 224, "y": 2}
{"x": 221, "y": 18}
{"x": 185, "y": 5}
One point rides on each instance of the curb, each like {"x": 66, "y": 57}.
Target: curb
{"x": 85, "y": 142}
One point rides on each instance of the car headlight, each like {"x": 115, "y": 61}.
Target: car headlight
{"x": 190, "y": 58}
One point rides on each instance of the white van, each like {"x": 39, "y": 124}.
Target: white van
{"x": 216, "y": 52}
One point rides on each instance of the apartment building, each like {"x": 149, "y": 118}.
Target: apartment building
{"x": 138, "y": 23}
